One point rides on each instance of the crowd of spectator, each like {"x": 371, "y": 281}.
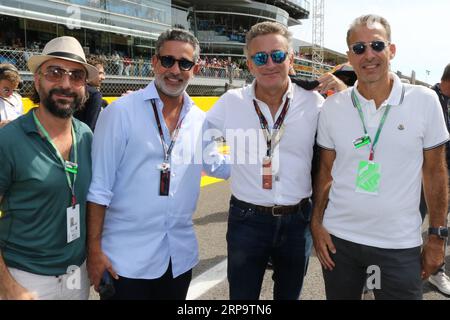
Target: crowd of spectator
{"x": 117, "y": 63}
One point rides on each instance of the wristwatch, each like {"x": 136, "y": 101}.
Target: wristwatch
{"x": 441, "y": 232}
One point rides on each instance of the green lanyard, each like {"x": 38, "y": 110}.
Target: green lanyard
{"x": 357, "y": 105}
{"x": 69, "y": 167}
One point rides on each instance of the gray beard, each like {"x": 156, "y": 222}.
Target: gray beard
{"x": 163, "y": 90}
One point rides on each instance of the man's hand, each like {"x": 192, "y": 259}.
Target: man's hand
{"x": 323, "y": 245}
{"x": 433, "y": 254}
{"x": 97, "y": 263}
{"x": 329, "y": 82}
{"x": 16, "y": 292}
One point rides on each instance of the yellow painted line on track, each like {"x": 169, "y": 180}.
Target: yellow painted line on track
{"x": 27, "y": 104}
{"x": 206, "y": 181}
{"x": 204, "y": 103}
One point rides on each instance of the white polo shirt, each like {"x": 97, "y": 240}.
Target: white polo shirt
{"x": 235, "y": 118}
{"x": 390, "y": 219}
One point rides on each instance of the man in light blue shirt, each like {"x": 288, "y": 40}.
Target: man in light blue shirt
{"x": 147, "y": 163}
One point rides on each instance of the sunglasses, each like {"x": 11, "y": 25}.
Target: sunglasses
{"x": 360, "y": 47}
{"x": 261, "y": 58}
{"x": 7, "y": 90}
{"x": 55, "y": 74}
{"x": 168, "y": 62}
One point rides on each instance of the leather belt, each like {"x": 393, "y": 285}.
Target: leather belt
{"x": 274, "y": 210}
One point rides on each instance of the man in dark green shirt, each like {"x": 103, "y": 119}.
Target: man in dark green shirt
{"x": 45, "y": 174}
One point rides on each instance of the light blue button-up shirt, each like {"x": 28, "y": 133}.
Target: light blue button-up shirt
{"x": 143, "y": 230}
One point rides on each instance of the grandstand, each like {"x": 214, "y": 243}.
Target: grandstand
{"x": 123, "y": 32}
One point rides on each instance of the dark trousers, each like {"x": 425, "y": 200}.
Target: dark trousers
{"x": 253, "y": 237}
{"x": 164, "y": 288}
{"x": 399, "y": 279}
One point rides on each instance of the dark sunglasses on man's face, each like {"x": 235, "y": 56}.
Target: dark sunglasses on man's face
{"x": 261, "y": 58}
{"x": 169, "y": 61}
{"x": 360, "y": 47}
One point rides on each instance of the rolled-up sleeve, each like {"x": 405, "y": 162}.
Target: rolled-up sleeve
{"x": 215, "y": 163}
{"x": 108, "y": 146}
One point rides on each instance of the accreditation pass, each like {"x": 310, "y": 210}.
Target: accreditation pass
{"x": 73, "y": 223}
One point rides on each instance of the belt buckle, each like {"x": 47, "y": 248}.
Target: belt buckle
{"x": 273, "y": 211}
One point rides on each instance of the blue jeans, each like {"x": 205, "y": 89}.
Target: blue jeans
{"x": 253, "y": 237}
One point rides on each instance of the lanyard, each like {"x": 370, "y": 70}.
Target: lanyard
{"x": 276, "y": 136}
{"x": 167, "y": 150}
{"x": 9, "y": 102}
{"x": 66, "y": 164}
{"x": 357, "y": 105}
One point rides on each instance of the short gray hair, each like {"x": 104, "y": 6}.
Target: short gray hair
{"x": 178, "y": 35}
{"x": 267, "y": 27}
{"x": 368, "y": 20}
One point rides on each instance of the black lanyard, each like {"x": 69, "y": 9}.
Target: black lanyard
{"x": 9, "y": 102}
{"x": 167, "y": 150}
{"x": 265, "y": 126}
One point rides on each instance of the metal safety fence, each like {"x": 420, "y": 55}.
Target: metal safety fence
{"x": 124, "y": 74}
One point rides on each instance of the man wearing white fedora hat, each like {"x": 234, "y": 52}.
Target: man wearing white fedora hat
{"x": 44, "y": 179}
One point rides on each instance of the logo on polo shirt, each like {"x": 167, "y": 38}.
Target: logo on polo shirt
{"x": 401, "y": 127}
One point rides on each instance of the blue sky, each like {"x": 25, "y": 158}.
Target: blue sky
{"x": 420, "y": 30}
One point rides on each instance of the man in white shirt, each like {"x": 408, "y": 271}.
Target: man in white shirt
{"x": 147, "y": 163}
{"x": 10, "y": 102}
{"x": 270, "y": 127}
{"x": 377, "y": 140}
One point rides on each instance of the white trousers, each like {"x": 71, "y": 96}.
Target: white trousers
{"x": 73, "y": 285}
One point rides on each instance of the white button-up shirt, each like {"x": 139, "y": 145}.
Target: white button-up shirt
{"x": 143, "y": 230}
{"x": 234, "y": 117}
{"x": 12, "y": 108}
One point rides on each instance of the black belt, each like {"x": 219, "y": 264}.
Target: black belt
{"x": 275, "y": 210}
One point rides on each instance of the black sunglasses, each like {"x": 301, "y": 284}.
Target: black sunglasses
{"x": 169, "y": 61}
{"x": 360, "y": 47}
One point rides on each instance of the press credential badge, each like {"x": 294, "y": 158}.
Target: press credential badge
{"x": 73, "y": 223}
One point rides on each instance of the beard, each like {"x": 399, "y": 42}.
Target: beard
{"x": 171, "y": 92}
{"x": 58, "y": 107}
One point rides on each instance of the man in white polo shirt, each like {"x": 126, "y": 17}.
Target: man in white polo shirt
{"x": 270, "y": 127}
{"x": 377, "y": 140}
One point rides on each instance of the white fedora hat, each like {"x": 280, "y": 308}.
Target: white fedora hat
{"x": 66, "y": 48}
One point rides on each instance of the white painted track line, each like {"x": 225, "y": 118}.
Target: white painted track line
{"x": 207, "y": 280}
